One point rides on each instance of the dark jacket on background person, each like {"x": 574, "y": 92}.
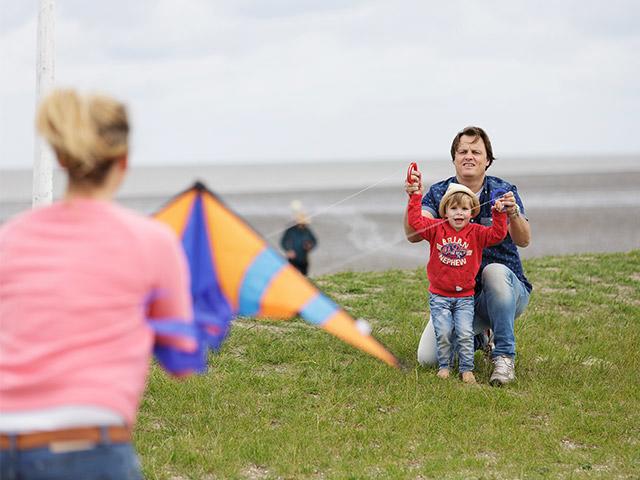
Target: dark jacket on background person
{"x": 300, "y": 239}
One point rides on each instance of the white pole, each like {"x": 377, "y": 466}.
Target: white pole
{"x": 43, "y": 160}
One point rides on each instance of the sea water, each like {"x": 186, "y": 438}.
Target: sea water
{"x": 575, "y": 204}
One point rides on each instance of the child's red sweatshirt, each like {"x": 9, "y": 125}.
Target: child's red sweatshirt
{"x": 455, "y": 256}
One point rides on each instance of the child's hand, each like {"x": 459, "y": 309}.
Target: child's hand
{"x": 498, "y": 206}
{"x": 413, "y": 184}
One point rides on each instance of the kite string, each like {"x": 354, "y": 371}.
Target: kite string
{"x": 386, "y": 245}
{"x": 333, "y": 205}
{"x": 368, "y": 252}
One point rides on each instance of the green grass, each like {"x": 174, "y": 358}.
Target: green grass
{"x": 286, "y": 400}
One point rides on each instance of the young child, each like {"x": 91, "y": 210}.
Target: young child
{"x": 455, "y": 255}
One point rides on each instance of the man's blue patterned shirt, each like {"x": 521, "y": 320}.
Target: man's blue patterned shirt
{"x": 506, "y": 252}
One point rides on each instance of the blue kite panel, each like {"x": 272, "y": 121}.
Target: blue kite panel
{"x": 256, "y": 280}
{"x": 210, "y": 306}
{"x": 318, "y": 310}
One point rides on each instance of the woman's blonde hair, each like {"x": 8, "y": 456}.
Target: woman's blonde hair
{"x": 87, "y": 132}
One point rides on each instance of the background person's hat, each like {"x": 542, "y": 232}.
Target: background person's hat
{"x": 457, "y": 188}
{"x": 298, "y": 213}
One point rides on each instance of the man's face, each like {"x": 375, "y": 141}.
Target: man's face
{"x": 470, "y": 157}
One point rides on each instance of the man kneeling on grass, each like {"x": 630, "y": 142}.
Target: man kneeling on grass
{"x": 454, "y": 261}
{"x": 502, "y": 289}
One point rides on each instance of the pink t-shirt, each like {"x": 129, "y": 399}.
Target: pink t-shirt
{"x": 77, "y": 281}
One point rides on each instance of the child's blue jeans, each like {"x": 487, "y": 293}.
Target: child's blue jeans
{"x": 451, "y": 314}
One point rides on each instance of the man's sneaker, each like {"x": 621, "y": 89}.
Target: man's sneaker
{"x": 490, "y": 344}
{"x": 484, "y": 341}
{"x": 503, "y": 371}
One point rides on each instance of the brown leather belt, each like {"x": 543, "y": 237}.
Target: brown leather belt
{"x": 23, "y": 441}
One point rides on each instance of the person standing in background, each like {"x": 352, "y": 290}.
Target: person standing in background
{"x": 78, "y": 281}
{"x": 298, "y": 240}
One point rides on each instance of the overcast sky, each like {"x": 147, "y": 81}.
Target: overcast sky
{"x": 237, "y": 80}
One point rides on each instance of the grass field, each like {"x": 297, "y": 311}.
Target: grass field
{"x": 286, "y": 400}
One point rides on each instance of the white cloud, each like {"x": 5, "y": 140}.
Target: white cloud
{"x": 209, "y": 81}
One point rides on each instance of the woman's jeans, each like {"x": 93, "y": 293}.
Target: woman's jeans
{"x": 449, "y": 315}
{"x": 104, "y": 462}
{"x": 502, "y": 299}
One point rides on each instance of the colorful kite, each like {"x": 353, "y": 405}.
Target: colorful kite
{"x": 235, "y": 272}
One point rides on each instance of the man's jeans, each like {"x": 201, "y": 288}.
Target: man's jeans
{"x": 104, "y": 462}
{"x": 503, "y": 299}
{"x": 451, "y": 314}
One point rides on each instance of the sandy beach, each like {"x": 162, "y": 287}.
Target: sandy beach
{"x": 356, "y": 210}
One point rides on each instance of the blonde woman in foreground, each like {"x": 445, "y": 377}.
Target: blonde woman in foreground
{"x": 78, "y": 280}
